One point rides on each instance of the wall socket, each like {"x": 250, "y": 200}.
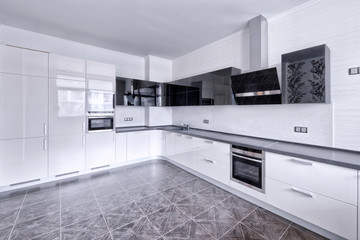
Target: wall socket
{"x": 127, "y": 119}
{"x": 300, "y": 129}
{"x": 354, "y": 70}
{"x": 206, "y": 121}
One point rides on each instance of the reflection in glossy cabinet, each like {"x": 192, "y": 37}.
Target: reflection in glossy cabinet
{"x": 22, "y": 61}
{"x": 137, "y": 145}
{"x": 121, "y": 147}
{"x": 61, "y": 67}
{"x": 23, "y": 160}
{"x": 169, "y": 144}
{"x": 157, "y": 143}
{"x": 67, "y": 107}
{"x": 23, "y": 106}
{"x": 66, "y": 154}
{"x": 100, "y": 149}
{"x": 100, "y": 76}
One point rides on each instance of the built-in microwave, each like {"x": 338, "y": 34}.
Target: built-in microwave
{"x": 100, "y": 123}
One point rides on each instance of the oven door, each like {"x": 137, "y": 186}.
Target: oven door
{"x": 100, "y": 124}
{"x": 247, "y": 171}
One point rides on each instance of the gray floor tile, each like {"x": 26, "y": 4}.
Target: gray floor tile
{"x": 41, "y": 196}
{"x": 13, "y": 194}
{"x": 11, "y": 203}
{"x": 190, "y": 231}
{"x": 107, "y": 189}
{"x": 74, "y": 185}
{"x": 38, "y": 209}
{"x": 266, "y": 223}
{"x": 296, "y": 232}
{"x": 104, "y": 237}
{"x": 8, "y": 216}
{"x": 216, "y": 222}
{"x": 163, "y": 184}
{"x": 140, "y": 229}
{"x": 5, "y": 232}
{"x": 36, "y": 227}
{"x": 241, "y": 232}
{"x": 44, "y": 187}
{"x": 79, "y": 212}
{"x": 70, "y": 200}
{"x": 214, "y": 194}
{"x": 122, "y": 216}
{"x": 183, "y": 176}
{"x": 142, "y": 191}
{"x": 85, "y": 230}
{"x": 196, "y": 185}
{"x": 54, "y": 235}
{"x": 167, "y": 219}
{"x": 193, "y": 205}
{"x": 113, "y": 201}
{"x": 176, "y": 193}
{"x": 236, "y": 207}
{"x": 152, "y": 203}
{"x": 132, "y": 183}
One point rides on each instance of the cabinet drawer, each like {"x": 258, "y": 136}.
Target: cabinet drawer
{"x": 332, "y": 215}
{"x": 213, "y": 150}
{"x": 329, "y": 180}
{"x": 214, "y": 169}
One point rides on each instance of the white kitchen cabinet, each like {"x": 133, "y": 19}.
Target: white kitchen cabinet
{"x": 66, "y": 154}
{"x": 333, "y": 181}
{"x": 215, "y": 150}
{"x": 121, "y": 147}
{"x": 62, "y": 67}
{"x": 66, "y": 107}
{"x": 328, "y": 213}
{"x": 23, "y": 61}
{"x": 169, "y": 144}
{"x": 180, "y": 148}
{"x": 137, "y": 145}
{"x": 23, "y": 160}
{"x": 100, "y": 76}
{"x": 100, "y": 149}
{"x": 23, "y": 106}
{"x": 157, "y": 143}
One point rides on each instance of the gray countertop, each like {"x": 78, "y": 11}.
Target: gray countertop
{"x": 332, "y": 156}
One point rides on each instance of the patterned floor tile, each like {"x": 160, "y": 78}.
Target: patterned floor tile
{"x": 132, "y": 183}
{"x": 107, "y": 189}
{"x": 13, "y": 194}
{"x": 266, "y": 223}
{"x": 36, "y": 227}
{"x": 5, "y": 232}
{"x": 123, "y": 215}
{"x": 113, "y": 201}
{"x": 41, "y": 196}
{"x": 216, "y": 222}
{"x": 74, "y": 185}
{"x": 142, "y": 191}
{"x": 296, "y": 232}
{"x": 138, "y": 230}
{"x": 152, "y": 203}
{"x": 176, "y": 193}
{"x": 214, "y": 194}
{"x": 38, "y": 209}
{"x": 54, "y": 235}
{"x": 196, "y": 185}
{"x": 236, "y": 207}
{"x": 8, "y": 216}
{"x": 167, "y": 218}
{"x": 241, "y": 232}
{"x": 163, "y": 184}
{"x": 193, "y": 205}
{"x": 70, "y": 200}
{"x": 79, "y": 212}
{"x": 87, "y": 229}
{"x": 190, "y": 230}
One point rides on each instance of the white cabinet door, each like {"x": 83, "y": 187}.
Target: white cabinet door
{"x": 100, "y": 76}
{"x": 100, "y": 149}
{"x": 23, "y": 106}
{"x": 157, "y": 143}
{"x": 22, "y": 160}
{"x": 213, "y": 169}
{"x": 137, "y": 145}
{"x": 212, "y": 149}
{"x": 67, "y": 107}
{"x": 180, "y": 149}
{"x": 169, "y": 144}
{"x": 66, "y": 154}
{"x": 61, "y": 67}
{"x": 121, "y": 149}
{"x": 24, "y": 62}
{"x": 335, "y": 216}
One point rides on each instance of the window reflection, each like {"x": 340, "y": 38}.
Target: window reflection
{"x": 70, "y": 98}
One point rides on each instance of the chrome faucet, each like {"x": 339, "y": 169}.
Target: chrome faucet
{"x": 187, "y": 125}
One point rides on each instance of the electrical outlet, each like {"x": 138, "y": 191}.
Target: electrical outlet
{"x": 304, "y": 129}
{"x": 354, "y": 70}
{"x": 297, "y": 129}
{"x": 206, "y": 121}
{"x": 130, "y": 119}
{"x": 300, "y": 129}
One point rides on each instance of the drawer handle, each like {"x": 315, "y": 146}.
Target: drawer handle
{"x": 45, "y": 129}
{"x": 207, "y": 141}
{"x": 302, "y": 192}
{"x": 301, "y": 161}
{"x": 209, "y": 160}
{"x": 45, "y": 145}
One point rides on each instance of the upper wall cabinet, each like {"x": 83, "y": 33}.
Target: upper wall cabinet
{"x": 22, "y": 61}
{"x": 100, "y": 76}
{"x": 61, "y": 67}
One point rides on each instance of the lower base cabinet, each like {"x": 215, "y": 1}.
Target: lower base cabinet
{"x": 66, "y": 154}
{"x": 100, "y": 149}
{"x": 23, "y": 160}
{"x": 121, "y": 146}
{"x": 333, "y": 215}
{"x": 137, "y": 145}
{"x": 213, "y": 168}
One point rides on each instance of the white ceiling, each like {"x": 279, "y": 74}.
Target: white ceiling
{"x": 164, "y": 28}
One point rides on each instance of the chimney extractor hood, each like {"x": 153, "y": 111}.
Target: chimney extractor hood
{"x": 258, "y": 87}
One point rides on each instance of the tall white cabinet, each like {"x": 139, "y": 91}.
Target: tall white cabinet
{"x": 67, "y": 115}
{"x": 24, "y": 115}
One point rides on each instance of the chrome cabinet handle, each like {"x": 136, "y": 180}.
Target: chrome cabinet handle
{"x": 209, "y": 160}
{"x": 207, "y": 141}
{"x": 45, "y": 129}
{"x": 83, "y": 126}
{"x": 301, "y": 162}
{"x": 308, "y": 194}
{"x": 45, "y": 145}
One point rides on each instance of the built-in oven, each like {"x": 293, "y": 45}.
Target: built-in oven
{"x": 100, "y": 122}
{"x": 247, "y": 167}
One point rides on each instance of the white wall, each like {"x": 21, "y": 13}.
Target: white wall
{"x": 333, "y": 22}
{"x": 158, "y": 116}
{"x": 137, "y": 113}
{"x": 127, "y": 65}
